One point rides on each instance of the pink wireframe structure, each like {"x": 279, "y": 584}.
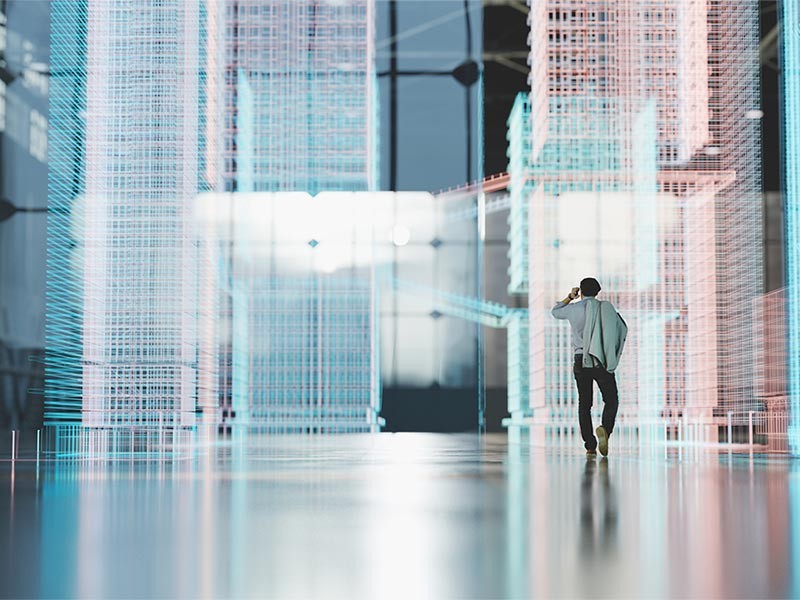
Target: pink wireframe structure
{"x": 646, "y": 168}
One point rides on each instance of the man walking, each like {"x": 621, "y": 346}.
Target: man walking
{"x": 598, "y": 337}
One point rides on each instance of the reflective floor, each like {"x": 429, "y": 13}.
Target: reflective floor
{"x": 403, "y": 516}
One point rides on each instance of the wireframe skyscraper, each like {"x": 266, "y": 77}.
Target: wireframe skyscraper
{"x": 126, "y": 159}
{"x": 153, "y": 104}
{"x": 645, "y": 172}
{"x": 300, "y": 116}
{"x": 790, "y": 73}
{"x": 301, "y": 96}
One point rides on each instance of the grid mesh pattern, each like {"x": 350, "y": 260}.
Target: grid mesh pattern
{"x": 300, "y": 116}
{"x": 646, "y": 174}
{"x": 155, "y": 102}
{"x": 770, "y": 349}
{"x": 734, "y": 89}
{"x": 309, "y": 364}
{"x": 518, "y": 369}
{"x": 298, "y": 275}
{"x": 136, "y": 267}
{"x": 141, "y": 173}
{"x": 771, "y": 382}
{"x": 300, "y": 107}
{"x": 790, "y": 69}
{"x": 519, "y": 188}
{"x": 65, "y": 186}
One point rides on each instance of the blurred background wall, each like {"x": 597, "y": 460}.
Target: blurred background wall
{"x": 24, "y": 52}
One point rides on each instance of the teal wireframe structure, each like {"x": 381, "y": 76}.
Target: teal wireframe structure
{"x": 66, "y": 149}
{"x": 129, "y": 91}
{"x": 146, "y": 116}
{"x": 301, "y": 110}
{"x": 302, "y": 89}
{"x": 790, "y": 71}
{"x": 306, "y": 346}
{"x": 519, "y": 188}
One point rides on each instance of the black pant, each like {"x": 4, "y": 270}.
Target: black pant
{"x": 585, "y": 378}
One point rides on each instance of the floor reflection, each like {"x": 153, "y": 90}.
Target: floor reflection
{"x": 598, "y": 515}
{"x": 405, "y": 516}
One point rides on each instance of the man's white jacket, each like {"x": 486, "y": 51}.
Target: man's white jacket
{"x": 603, "y": 336}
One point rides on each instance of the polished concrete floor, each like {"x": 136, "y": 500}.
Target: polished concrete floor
{"x": 403, "y": 516}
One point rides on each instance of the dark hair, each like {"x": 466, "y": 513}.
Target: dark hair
{"x": 590, "y": 287}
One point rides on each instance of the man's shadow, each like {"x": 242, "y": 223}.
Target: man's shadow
{"x": 599, "y": 513}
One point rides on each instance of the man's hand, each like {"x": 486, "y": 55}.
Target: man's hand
{"x": 572, "y": 295}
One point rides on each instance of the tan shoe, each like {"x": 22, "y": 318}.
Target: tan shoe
{"x": 602, "y": 440}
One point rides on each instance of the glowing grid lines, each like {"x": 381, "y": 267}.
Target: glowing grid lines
{"x": 310, "y": 364}
{"x": 771, "y": 383}
{"x": 301, "y": 74}
{"x": 300, "y": 117}
{"x": 128, "y": 142}
{"x": 66, "y": 151}
{"x": 304, "y": 290}
{"x": 519, "y": 187}
{"x": 140, "y": 270}
{"x": 790, "y": 69}
{"x": 663, "y": 234}
{"x": 185, "y": 97}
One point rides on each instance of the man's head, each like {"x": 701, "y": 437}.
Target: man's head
{"x": 590, "y": 287}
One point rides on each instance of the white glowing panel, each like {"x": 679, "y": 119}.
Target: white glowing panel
{"x": 306, "y": 274}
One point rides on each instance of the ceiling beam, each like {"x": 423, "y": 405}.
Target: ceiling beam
{"x": 515, "y": 4}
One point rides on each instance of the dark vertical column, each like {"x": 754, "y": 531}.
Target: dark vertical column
{"x": 393, "y": 167}
{"x": 393, "y": 95}
{"x": 468, "y": 91}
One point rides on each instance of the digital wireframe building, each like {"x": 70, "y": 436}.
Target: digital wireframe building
{"x": 771, "y": 382}
{"x": 644, "y": 171}
{"x": 300, "y": 103}
{"x": 790, "y": 73}
{"x": 66, "y": 151}
{"x": 300, "y": 116}
{"x": 304, "y": 347}
{"x": 153, "y": 105}
{"x": 126, "y": 138}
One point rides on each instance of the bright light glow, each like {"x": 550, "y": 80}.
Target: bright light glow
{"x": 305, "y": 300}
{"x": 300, "y": 116}
{"x": 400, "y": 235}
